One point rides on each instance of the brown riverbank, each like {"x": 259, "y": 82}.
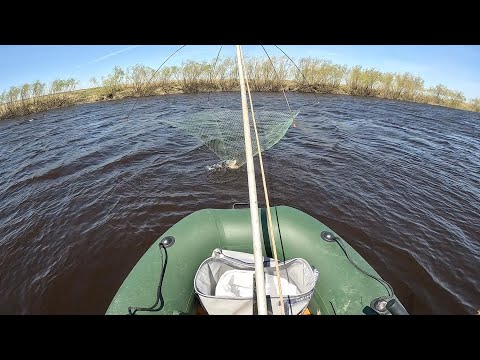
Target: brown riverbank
{"x": 98, "y": 94}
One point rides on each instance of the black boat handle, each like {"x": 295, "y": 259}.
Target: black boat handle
{"x": 396, "y": 308}
{"x": 240, "y": 203}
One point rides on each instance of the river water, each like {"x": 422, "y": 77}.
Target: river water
{"x": 83, "y": 193}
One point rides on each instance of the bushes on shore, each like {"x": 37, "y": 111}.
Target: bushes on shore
{"x": 317, "y": 75}
{"x": 36, "y": 96}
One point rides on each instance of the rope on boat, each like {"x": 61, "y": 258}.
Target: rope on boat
{"x": 267, "y": 203}
{"x": 133, "y": 309}
{"x": 385, "y": 284}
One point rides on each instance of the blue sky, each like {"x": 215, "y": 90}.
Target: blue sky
{"x": 455, "y": 66}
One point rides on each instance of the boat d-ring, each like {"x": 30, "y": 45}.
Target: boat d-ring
{"x": 168, "y": 241}
{"x": 327, "y": 236}
{"x": 380, "y": 305}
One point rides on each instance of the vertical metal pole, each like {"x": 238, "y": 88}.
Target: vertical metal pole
{"x": 252, "y": 193}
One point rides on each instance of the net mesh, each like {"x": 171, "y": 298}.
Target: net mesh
{"x": 221, "y": 130}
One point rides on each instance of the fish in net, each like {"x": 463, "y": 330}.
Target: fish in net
{"x": 221, "y": 131}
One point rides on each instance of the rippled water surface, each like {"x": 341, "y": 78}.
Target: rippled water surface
{"x": 84, "y": 193}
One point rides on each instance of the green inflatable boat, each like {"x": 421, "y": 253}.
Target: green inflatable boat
{"x": 204, "y": 263}
{"x": 346, "y": 284}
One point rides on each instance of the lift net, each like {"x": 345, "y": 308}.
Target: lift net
{"x": 221, "y": 130}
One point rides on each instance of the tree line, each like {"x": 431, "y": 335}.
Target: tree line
{"x": 274, "y": 74}
{"x": 36, "y": 96}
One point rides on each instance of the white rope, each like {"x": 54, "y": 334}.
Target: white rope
{"x": 267, "y": 203}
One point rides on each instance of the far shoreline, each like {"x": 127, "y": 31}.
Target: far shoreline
{"x": 312, "y": 75}
{"x": 93, "y": 95}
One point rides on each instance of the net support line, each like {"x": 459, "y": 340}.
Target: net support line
{"x": 267, "y": 202}
{"x": 278, "y": 77}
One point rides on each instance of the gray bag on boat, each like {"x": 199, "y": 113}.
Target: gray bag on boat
{"x": 225, "y": 284}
